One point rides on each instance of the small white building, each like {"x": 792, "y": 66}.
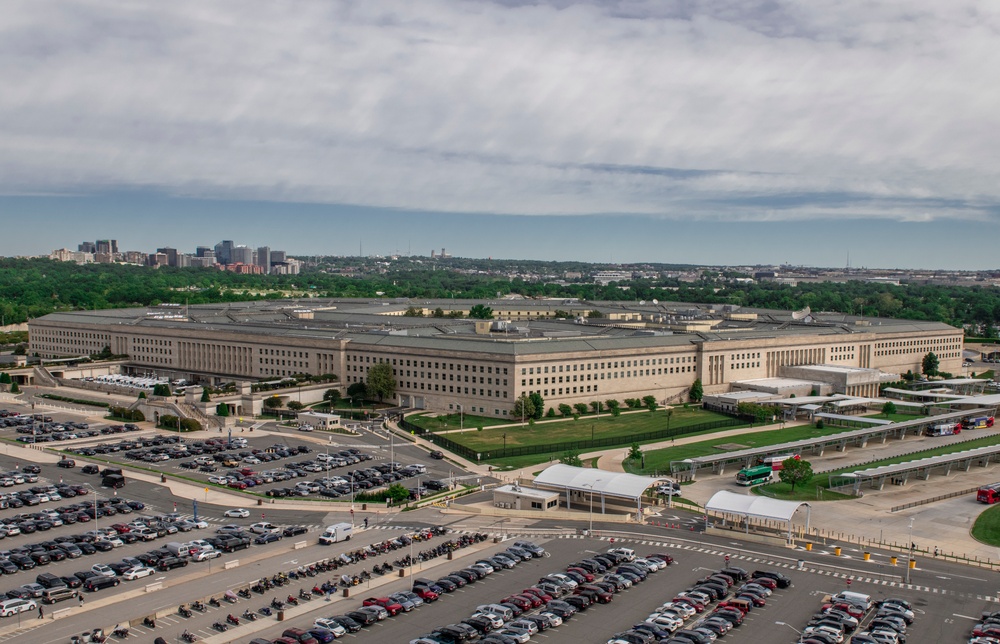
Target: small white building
{"x": 318, "y": 420}
{"x": 515, "y": 497}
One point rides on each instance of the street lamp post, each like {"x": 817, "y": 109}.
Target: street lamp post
{"x": 591, "y": 486}
{"x": 789, "y": 626}
{"x": 910, "y": 558}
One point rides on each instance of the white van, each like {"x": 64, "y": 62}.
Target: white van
{"x": 628, "y": 553}
{"x": 858, "y": 599}
{"x": 335, "y": 533}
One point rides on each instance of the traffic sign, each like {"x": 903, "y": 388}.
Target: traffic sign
{"x": 727, "y": 558}
{"x": 848, "y": 582}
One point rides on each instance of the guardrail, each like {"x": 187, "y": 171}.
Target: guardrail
{"x": 897, "y": 508}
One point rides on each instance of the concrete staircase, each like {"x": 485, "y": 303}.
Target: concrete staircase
{"x": 43, "y": 377}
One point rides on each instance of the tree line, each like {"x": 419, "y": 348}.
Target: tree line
{"x": 30, "y": 288}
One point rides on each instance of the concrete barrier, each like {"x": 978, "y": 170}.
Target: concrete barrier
{"x": 62, "y": 612}
{"x": 154, "y": 586}
{"x": 300, "y": 544}
{"x": 233, "y": 563}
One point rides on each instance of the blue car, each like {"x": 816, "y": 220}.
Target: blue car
{"x": 322, "y": 635}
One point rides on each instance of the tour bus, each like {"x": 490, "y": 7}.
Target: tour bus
{"x": 943, "y": 429}
{"x": 988, "y": 493}
{"x": 754, "y": 475}
{"x": 776, "y": 461}
{"x": 979, "y": 422}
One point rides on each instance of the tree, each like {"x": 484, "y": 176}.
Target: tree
{"x": 397, "y": 493}
{"x": 594, "y": 314}
{"x": 795, "y": 471}
{"x": 697, "y": 392}
{"x": 523, "y": 407}
{"x": 205, "y": 396}
{"x": 439, "y": 312}
{"x": 295, "y": 405}
{"x": 222, "y": 409}
{"x": 930, "y": 364}
{"x": 161, "y": 390}
{"x": 649, "y": 402}
{"x": 889, "y": 408}
{"x": 595, "y": 405}
{"x": 565, "y": 410}
{"x": 481, "y": 312}
{"x": 634, "y": 452}
{"x": 142, "y": 395}
{"x": 273, "y": 402}
{"x": 381, "y": 382}
{"x": 539, "y": 403}
{"x": 559, "y": 314}
{"x": 14, "y": 389}
{"x": 331, "y": 396}
{"x": 581, "y": 408}
{"x": 551, "y": 413}
{"x": 4, "y": 378}
{"x": 571, "y": 458}
{"x": 414, "y": 312}
{"x": 22, "y": 350}
{"x": 357, "y": 390}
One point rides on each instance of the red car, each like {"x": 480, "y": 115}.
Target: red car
{"x": 766, "y": 582}
{"x": 696, "y": 605}
{"x": 238, "y": 485}
{"x": 535, "y": 600}
{"x": 120, "y": 528}
{"x": 589, "y": 577}
{"x": 664, "y": 556}
{"x": 539, "y": 593}
{"x": 518, "y": 600}
{"x": 854, "y": 611}
{"x": 425, "y": 594}
{"x": 390, "y": 605}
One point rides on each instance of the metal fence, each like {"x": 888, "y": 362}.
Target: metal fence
{"x": 566, "y": 446}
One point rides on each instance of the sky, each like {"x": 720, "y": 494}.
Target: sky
{"x": 709, "y": 132}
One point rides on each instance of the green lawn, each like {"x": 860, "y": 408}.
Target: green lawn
{"x": 659, "y": 460}
{"x": 583, "y": 429}
{"x": 986, "y": 529}
{"x": 446, "y": 422}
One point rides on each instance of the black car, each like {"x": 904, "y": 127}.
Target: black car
{"x": 351, "y": 625}
{"x": 96, "y": 583}
{"x": 294, "y": 530}
{"x": 779, "y": 579}
{"x": 72, "y": 581}
{"x": 86, "y": 548}
{"x": 450, "y": 583}
{"x": 436, "y": 454}
{"x": 362, "y": 617}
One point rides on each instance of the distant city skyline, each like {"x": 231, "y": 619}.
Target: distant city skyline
{"x": 723, "y": 132}
{"x": 38, "y": 225}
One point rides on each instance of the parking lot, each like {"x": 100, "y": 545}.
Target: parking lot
{"x": 942, "y": 614}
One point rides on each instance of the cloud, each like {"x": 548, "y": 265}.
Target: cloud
{"x": 722, "y": 110}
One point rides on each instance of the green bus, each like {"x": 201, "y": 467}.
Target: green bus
{"x": 754, "y": 475}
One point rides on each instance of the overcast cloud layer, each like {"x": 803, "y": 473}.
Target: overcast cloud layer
{"x": 728, "y": 110}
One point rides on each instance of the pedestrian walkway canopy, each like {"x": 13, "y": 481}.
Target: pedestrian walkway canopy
{"x": 840, "y": 440}
{"x": 750, "y": 506}
{"x": 921, "y": 468}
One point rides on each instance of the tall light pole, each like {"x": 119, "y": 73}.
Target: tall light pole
{"x": 789, "y": 626}
{"x": 96, "y": 513}
{"x": 910, "y": 558}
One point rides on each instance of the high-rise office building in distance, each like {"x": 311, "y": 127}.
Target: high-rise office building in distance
{"x": 264, "y": 258}
{"x": 171, "y": 254}
{"x": 204, "y": 251}
{"x": 107, "y": 246}
{"x": 241, "y": 255}
{"x": 224, "y": 251}
{"x": 87, "y": 247}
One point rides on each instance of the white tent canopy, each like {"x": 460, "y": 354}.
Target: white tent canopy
{"x": 757, "y": 507}
{"x": 586, "y": 482}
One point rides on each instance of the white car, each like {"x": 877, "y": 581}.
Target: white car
{"x": 220, "y": 480}
{"x": 305, "y": 428}
{"x": 330, "y": 625}
{"x": 199, "y": 524}
{"x": 667, "y": 622}
{"x": 525, "y": 625}
{"x": 137, "y": 573}
{"x": 832, "y": 633}
{"x": 251, "y": 460}
{"x": 494, "y": 619}
{"x": 237, "y": 513}
{"x": 521, "y": 636}
{"x": 554, "y": 619}
{"x": 205, "y": 555}
{"x": 115, "y": 542}
{"x": 264, "y": 527}
{"x": 677, "y": 607}
{"x": 102, "y": 570}
{"x": 13, "y": 606}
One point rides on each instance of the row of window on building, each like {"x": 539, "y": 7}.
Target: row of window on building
{"x": 595, "y": 366}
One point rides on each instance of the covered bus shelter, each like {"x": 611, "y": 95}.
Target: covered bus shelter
{"x": 583, "y": 484}
{"x": 749, "y": 506}
{"x": 689, "y": 467}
